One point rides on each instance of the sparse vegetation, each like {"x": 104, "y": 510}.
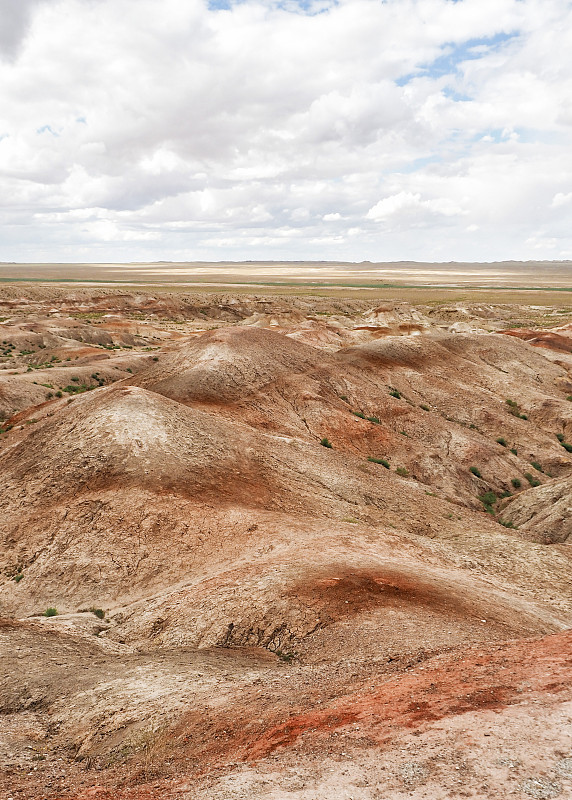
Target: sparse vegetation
{"x": 375, "y": 420}
{"x": 99, "y": 612}
{"x": 502, "y": 441}
{"x": 514, "y": 409}
{"x": 536, "y": 466}
{"x": 382, "y": 461}
{"x": 506, "y": 523}
{"x": 358, "y": 414}
{"x": 488, "y": 499}
{"x": 18, "y": 577}
{"x": 395, "y": 393}
{"x": 325, "y": 442}
{"x": 51, "y": 612}
{"x": 516, "y": 483}
{"x": 402, "y": 472}
{"x": 531, "y": 479}
{"x": 424, "y": 407}
{"x": 284, "y": 656}
{"x": 475, "y": 471}
{"x": 514, "y": 451}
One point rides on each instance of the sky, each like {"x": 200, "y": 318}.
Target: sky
{"x": 348, "y": 130}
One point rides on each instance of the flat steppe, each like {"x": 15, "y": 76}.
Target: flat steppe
{"x": 297, "y": 543}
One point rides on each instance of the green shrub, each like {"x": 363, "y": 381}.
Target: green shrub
{"x": 488, "y": 498}
{"x": 51, "y": 612}
{"x": 514, "y": 409}
{"x": 567, "y": 447}
{"x": 560, "y": 437}
{"x": 325, "y": 442}
{"x": 536, "y": 466}
{"x": 375, "y": 420}
{"x": 531, "y": 479}
{"x": 99, "y": 612}
{"x": 424, "y": 407}
{"x": 358, "y": 414}
{"x": 514, "y": 451}
{"x": 569, "y": 397}
{"x": 395, "y": 393}
{"x": 475, "y": 471}
{"x": 18, "y": 577}
{"x": 344, "y": 397}
{"x": 507, "y": 524}
{"x": 516, "y": 483}
{"x": 504, "y": 494}
{"x": 502, "y": 441}
{"x": 382, "y": 461}
{"x": 283, "y": 656}
{"x": 59, "y": 394}
{"x": 402, "y": 471}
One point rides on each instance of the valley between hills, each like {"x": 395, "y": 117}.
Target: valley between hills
{"x": 283, "y": 546}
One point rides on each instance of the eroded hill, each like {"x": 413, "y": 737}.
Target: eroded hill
{"x": 273, "y": 530}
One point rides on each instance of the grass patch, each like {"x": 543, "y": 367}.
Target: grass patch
{"x": 402, "y": 472}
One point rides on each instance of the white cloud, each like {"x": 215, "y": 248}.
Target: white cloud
{"x": 407, "y": 204}
{"x": 561, "y": 199}
{"x": 167, "y": 129}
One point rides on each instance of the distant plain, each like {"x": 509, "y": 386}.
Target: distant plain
{"x": 544, "y": 282}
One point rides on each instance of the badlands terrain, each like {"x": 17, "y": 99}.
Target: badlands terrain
{"x": 284, "y": 547}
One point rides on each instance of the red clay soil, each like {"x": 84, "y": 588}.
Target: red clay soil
{"x": 480, "y": 679}
{"x": 491, "y": 678}
{"x": 371, "y": 715}
{"x": 547, "y": 339}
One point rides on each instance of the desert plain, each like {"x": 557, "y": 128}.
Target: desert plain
{"x": 293, "y": 538}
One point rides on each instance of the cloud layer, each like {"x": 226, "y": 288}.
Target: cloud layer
{"x": 348, "y": 130}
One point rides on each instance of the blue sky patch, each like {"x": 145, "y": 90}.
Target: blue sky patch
{"x": 47, "y": 129}
{"x": 455, "y": 54}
